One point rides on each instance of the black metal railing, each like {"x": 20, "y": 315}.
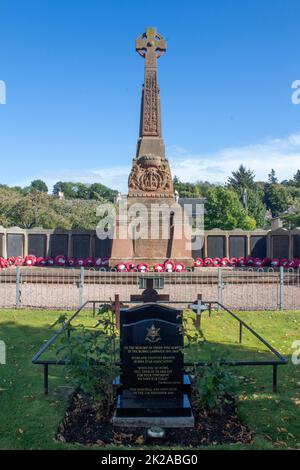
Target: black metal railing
{"x": 280, "y": 360}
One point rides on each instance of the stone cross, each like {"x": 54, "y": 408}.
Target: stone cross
{"x": 151, "y": 46}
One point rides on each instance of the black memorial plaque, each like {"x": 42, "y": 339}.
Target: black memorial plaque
{"x": 15, "y": 245}
{"x": 37, "y": 245}
{"x": 215, "y": 246}
{"x": 296, "y": 246}
{"x": 152, "y": 362}
{"x": 59, "y": 245}
{"x": 258, "y": 246}
{"x": 237, "y": 246}
{"x": 81, "y": 246}
{"x": 280, "y": 246}
{"x": 103, "y": 247}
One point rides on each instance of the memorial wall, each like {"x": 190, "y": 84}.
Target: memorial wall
{"x": 279, "y": 243}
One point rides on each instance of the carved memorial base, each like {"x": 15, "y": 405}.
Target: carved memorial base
{"x": 160, "y": 219}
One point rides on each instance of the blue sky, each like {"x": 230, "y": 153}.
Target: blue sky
{"x": 74, "y": 84}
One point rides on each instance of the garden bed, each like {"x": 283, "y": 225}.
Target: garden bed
{"x": 84, "y": 423}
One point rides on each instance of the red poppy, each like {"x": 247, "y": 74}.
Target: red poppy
{"x": 208, "y": 262}
{"x": 89, "y": 262}
{"x": 49, "y": 261}
{"x": 121, "y": 267}
{"x": 180, "y": 267}
{"x": 41, "y": 261}
{"x": 19, "y": 261}
{"x": 198, "y": 262}
{"x": 143, "y": 267}
{"x": 159, "y": 268}
{"x": 30, "y": 260}
{"x": 60, "y": 260}
{"x": 169, "y": 266}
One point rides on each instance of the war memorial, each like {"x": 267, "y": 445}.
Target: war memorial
{"x": 150, "y": 333}
{"x": 155, "y": 362}
{"x": 164, "y": 224}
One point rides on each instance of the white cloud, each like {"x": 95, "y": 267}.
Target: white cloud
{"x": 282, "y": 154}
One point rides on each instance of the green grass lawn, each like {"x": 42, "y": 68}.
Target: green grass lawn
{"x": 29, "y": 420}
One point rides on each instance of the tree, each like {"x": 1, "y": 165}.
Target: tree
{"x": 39, "y": 185}
{"x": 204, "y": 187}
{"x": 256, "y": 207}
{"x": 296, "y": 179}
{"x": 292, "y": 218}
{"x": 294, "y": 182}
{"x": 241, "y": 179}
{"x": 84, "y": 191}
{"x": 57, "y": 188}
{"x": 272, "y": 177}
{"x": 186, "y": 190}
{"x": 100, "y": 191}
{"x": 192, "y": 190}
{"x": 224, "y": 210}
{"x": 276, "y": 198}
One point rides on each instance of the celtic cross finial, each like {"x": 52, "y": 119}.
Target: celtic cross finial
{"x": 151, "y": 45}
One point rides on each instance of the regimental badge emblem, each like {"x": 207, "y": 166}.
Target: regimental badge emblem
{"x": 153, "y": 335}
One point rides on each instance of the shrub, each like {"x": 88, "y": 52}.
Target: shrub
{"x": 90, "y": 356}
{"x": 212, "y": 385}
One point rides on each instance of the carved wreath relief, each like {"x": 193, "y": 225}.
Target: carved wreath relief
{"x": 151, "y": 178}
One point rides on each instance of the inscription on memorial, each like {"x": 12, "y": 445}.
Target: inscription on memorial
{"x": 152, "y": 367}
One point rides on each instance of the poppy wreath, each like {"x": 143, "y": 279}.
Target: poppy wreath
{"x": 208, "y": 262}
{"x": 275, "y": 262}
{"x": 169, "y": 266}
{"x": 284, "y": 262}
{"x": 180, "y": 267}
{"x": 11, "y": 261}
{"x": 224, "y": 262}
{"x": 258, "y": 262}
{"x": 89, "y": 262}
{"x": 80, "y": 262}
{"x": 296, "y": 263}
{"x": 105, "y": 262}
{"x": 41, "y": 261}
{"x": 71, "y": 262}
{"x": 98, "y": 262}
{"x": 233, "y": 262}
{"x": 3, "y": 263}
{"x": 241, "y": 262}
{"x": 143, "y": 267}
{"x": 30, "y": 260}
{"x": 159, "y": 268}
{"x": 266, "y": 261}
{"x": 60, "y": 260}
{"x": 249, "y": 261}
{"x": 19, "y": 261}
{"x": 198, "y": 262}
{"x": 130, "y": 267}
{"x": 50, "y": 261}
{"x": 121, "y": 267}
{"x": 216, "y": 262}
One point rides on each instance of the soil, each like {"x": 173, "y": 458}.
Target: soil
{"x": 84, "y": 423}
